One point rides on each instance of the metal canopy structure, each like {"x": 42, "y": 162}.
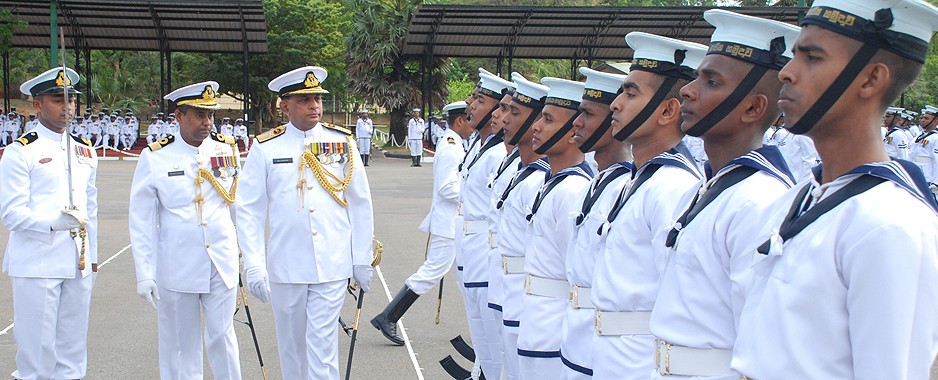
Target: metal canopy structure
{"x": 578, "y": 33}
{"x": 575, "y": 33}
{"x": 204, "y": 26}
{"x": 167, "y": 26}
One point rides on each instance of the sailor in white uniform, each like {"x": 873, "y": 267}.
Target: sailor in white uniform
{"x": 438, "y": 223}
{"x": 52, "y": 252}
{"x": 364, "y": 128}
{"x": 415, "y": 129}
{"x": 626, "y": 276}
{"x": 798, "y": 150}
{"x": 549, "y": 229}
{"x": 847, "y": 287}
{"x": 185, "y": 253}
{"x": 240, "y": 133}
{"x": 896, "y": 141}
{"x": 305, "y": 181}
{"x": 513, "y": 204}
{"x": 710, "y": 254}
{"x": 925, "y": 148}
{"x": 472, "y": 224}
{"x": 592, "y": 134}
{"x": 128, "y": 133}
{"x": 153, "y": 130}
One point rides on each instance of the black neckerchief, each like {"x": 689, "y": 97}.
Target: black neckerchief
{"x": 593, "y": 194}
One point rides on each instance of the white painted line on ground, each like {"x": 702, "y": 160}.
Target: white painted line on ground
{"x": 7, "y": 330}
{"x": 400, "y": 327}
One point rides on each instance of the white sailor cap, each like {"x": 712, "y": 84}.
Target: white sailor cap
{"x": 930, "y": 109}
{"x": 903, "y": 27}
{"x": 304, "y": 80}
{"x": 416, "y": 110}
{"x": 362, "y": 111}
{"x": 563, "y": 93}
{"x": 601, "y": 87}
{"x": 528, "y": 93}
{"x": 755, "y": 40}
{"x": 665, "y": 56}
{"x": 53, "y": 81}
{"x": 894, "y": 110}
{"x": 455, "y": 107}
{"x": 493, "y": 86}
{"x": 199, "y": 95}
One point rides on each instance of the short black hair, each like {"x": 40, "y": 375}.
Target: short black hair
{"x": 452, "y": 116}
{"x": 903, "y": 71}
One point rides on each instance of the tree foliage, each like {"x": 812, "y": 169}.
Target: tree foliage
{"x": 377, "y": 70}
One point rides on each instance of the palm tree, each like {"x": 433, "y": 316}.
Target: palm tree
{"x": 376, "y": 69}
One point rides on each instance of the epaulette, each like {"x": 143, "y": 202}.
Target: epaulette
{"x": 80, "y": 140}
{"x": 450, "y": 140}
{"x": 269, "y": 135}
{"x": 162, "y": 143}
{"x": 28, "y": 138}
{"x": 230, "y": 140}
{"x": 336, "y": 128}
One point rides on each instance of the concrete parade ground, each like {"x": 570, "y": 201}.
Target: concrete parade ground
{"x": 122, "y": 342}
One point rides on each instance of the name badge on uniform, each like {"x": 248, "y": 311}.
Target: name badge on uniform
{"x": 176, "y": 173}
{"x": 288, "y": 160}
{"x": 329, "y": 152}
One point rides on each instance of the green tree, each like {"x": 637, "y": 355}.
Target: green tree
{"x": 377, "y": 71}
{"x": 299, "y": 33}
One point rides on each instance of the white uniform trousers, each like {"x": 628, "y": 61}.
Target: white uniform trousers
{"x": 364, "y": 145}
{"x": 305, "y": 318}
{"x": 127, "y": 141}
{"x": 96, "y": 140}
{"x": 624, "y": 356}
{"x": 440, "y": 256}
{"x": 246, "y": 141}
{"x": 152, "y": 138}
{"x": 576, "y": 344}
{"x": 180, "y": 324}
{"x": 415, "y": 146}
{"x": 493, "y": 301}
{"x": 539, "y": 337}
{"x": 110, "y": 141}
{"x": 512, "y": 306}
{"x": 50, "y": 317}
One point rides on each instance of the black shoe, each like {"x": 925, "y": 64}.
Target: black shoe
{"x": 365, "y": 158}
{"x": 387, "y": 320}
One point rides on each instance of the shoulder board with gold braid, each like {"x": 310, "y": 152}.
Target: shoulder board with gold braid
{"x": 162, "y": 143}
{"x": 337, "y": 128}
{"x": 230, "y": 140}
{"x": 28, "y": 138}
{"x": 269, "y": 135}
{"x": 80, "y": 140}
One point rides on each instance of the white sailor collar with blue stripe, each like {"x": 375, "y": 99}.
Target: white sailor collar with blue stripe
{"x": 901, "y": 172}
{"x": 767, "y": 159}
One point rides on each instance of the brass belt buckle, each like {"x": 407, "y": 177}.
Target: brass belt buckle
{"x": 491, "y": 241}
{"x": 574, "y": 296}
{"x": 598, "y": 322}
{"x": 527, "y": 283}
{"x": 667, "y": 357}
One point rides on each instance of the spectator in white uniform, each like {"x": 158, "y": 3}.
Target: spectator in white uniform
{"x": 415, "y": 129}
{"x": 364, "y": 128}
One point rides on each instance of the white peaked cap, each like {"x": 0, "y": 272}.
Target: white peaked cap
{"x": 200, "y": 95}
{"x": 304, "y": 80}
{"x": 460, "y": 105}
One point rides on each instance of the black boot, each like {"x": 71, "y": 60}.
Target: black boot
{"x": 413, "y": 161}
{"x": 362, "y": 156}
{"x": 366, "y": 157}
{"x": 387, "y": 320}
{"x": 417, "y": 160}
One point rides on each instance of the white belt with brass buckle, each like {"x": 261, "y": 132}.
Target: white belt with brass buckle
{"x": 614, "y": 323}
{"x": 513, "y": 264}
{"x": 472, "y": 227}
{"x": 546, "y": 287}
{"x": 687, "y": 361}
{"x": 492, "y": 244}
{"x": 580, "y": 297}
{"x": 923, "y": 159}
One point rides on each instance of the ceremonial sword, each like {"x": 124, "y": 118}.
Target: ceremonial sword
{"x": 82, "y": 232}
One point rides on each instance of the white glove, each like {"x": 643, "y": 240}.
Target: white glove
{"x": 362, "y": 275}
{"x": 69, "y": 220}
{"x": 258, "y": 284}
{"x": 147, "y": 290}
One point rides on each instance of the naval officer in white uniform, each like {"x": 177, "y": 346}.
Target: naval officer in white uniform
{"x": 184, "y": 242}
{"x": 51, "y": 269}
{"x": 305, "y": 180}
